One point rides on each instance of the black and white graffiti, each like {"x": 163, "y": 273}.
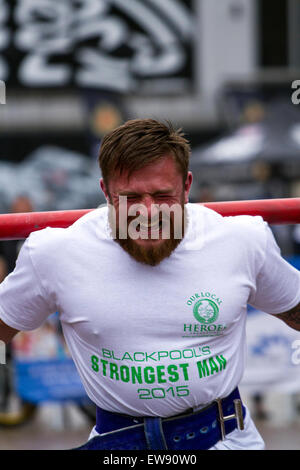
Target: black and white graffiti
{"x": 105, "y": 44}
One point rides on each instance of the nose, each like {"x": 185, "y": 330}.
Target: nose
{"x": 148, "y": 208}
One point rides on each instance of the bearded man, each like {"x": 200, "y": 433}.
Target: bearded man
{"x": 152, "y": 293}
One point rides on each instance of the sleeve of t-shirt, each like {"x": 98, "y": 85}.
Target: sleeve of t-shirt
{"x": 277, "y": 283}
{"x": 24, "y": 302}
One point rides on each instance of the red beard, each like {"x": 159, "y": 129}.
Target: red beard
{"x": 157, "y": 251}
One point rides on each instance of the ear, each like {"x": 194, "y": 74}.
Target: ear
{"x": 104, "y": 189}
{"x": 187, "y": 186}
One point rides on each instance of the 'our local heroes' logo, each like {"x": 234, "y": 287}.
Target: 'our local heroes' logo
{"x": 206, "y": 311}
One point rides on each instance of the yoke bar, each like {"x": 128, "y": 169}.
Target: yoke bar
{"x": 18, "y": 226}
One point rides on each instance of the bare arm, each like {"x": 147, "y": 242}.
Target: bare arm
{"x": 6, "y": 332}
{"x": 3, "y": 269}
{"x": 291, "y": 317}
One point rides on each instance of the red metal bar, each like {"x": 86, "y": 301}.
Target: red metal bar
{"x": 273, "y": 211}
{"x": 19, "y": 226}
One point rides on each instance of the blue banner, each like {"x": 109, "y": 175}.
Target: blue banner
{"x": 48, "y": 380}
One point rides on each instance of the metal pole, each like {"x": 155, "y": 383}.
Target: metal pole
{"x": 274, "y": 211}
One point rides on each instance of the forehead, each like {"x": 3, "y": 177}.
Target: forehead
{"x": 160, "y": 174}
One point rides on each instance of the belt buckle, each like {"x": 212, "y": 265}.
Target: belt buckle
{"x": 238, "y": 415}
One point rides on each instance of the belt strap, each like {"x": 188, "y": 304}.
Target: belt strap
{"x": 107, "y": 421}
{"x": 198, "y": 430}
{"x": 154, "y": 434}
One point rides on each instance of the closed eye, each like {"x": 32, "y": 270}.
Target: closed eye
{"x": 163, "y": 196}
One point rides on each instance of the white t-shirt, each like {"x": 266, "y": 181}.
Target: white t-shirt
{"x": 152, "y": 340}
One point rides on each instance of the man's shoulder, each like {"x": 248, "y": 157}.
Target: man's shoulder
{"x": 91, "y": 225}
{"x": 213, "y": 217}
{"x": 246, "y": 222}
{"x": 95, "y": 219}
{"x": 247, "y": 228}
